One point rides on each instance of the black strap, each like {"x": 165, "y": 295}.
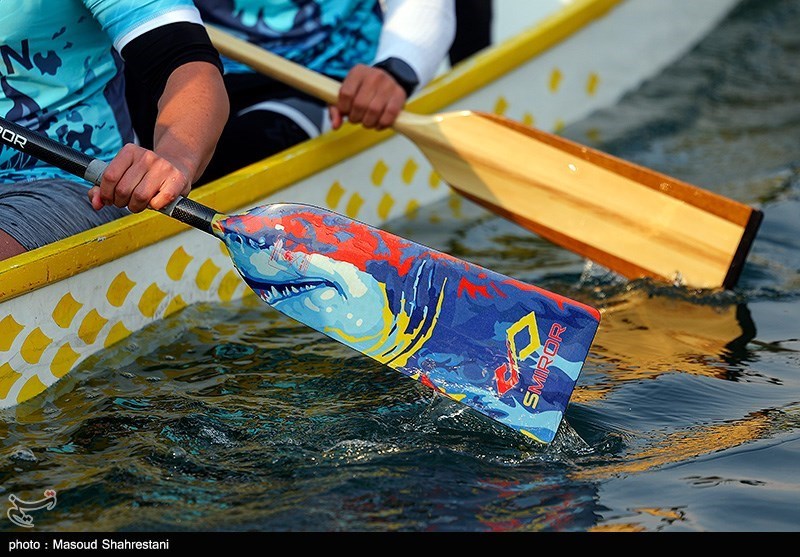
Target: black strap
{"x": 402, "y": 73}
{"x": 149, "y": 61}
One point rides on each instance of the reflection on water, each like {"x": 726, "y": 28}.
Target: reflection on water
{"x": 644, "y": 337}
{"x": 235, "y": 417}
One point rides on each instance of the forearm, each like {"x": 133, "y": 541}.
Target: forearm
{"x": 192, "y": 111}
{"x": 418, "y": 32}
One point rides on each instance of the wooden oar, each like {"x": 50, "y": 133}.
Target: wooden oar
{"x": 632, "y": 220}
{"x": 507, "y": 349}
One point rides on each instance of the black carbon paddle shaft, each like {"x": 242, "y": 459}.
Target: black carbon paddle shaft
{"x": 91, "y": 169}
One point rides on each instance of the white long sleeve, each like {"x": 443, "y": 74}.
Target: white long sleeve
{"x": 419, "y": 32}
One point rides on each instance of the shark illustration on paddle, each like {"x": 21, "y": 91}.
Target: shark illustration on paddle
{"x": 503, "y": 347}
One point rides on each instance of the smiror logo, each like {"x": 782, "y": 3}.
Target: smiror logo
{"x": 507, "y": 375}
{"x": 12, "y": 139}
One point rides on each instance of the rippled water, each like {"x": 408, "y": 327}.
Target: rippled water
{"x": 686, "y": 416}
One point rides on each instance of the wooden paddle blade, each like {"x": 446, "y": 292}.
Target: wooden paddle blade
{"x": 637, "y": 222}
{"x": 509, "y": 350}
{"x": 633, "y": 220}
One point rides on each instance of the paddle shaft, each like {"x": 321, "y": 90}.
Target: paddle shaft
{"x": 296, "y": 75}
{"x": 91, "y": 169}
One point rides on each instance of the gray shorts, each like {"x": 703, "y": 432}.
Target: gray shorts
{"x": 45, "y": 211}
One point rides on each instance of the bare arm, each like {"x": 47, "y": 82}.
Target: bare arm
{"x": 191, "y": 114}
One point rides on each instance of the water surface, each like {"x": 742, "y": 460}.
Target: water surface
{"x": 686, "y": 416}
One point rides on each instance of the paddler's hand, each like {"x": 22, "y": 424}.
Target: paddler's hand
{"x": 370, "y": 97}
{"x": 138, "y": 178}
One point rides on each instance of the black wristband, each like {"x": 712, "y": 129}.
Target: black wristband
{"x": 402, "y": 73}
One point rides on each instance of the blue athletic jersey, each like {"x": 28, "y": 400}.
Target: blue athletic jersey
{"x": 61, "y": 72}
{"x": 328, "y": 36}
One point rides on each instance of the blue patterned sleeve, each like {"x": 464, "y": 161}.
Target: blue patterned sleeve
{"x": 124, "y": 20}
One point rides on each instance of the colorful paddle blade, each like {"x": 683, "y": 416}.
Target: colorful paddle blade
{"x": 509, "y": 350}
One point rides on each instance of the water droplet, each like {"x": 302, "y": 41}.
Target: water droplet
{"x": 178, "y": 452}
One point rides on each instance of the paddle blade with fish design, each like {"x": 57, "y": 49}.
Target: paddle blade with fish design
{"x": 507, "y": 349}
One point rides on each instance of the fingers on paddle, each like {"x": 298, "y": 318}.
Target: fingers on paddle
{"x": 370, "y": 97}
{"x": 94, "y": 198}
{"x": 336, "y": 117}
{"x": 137, "y": 178}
